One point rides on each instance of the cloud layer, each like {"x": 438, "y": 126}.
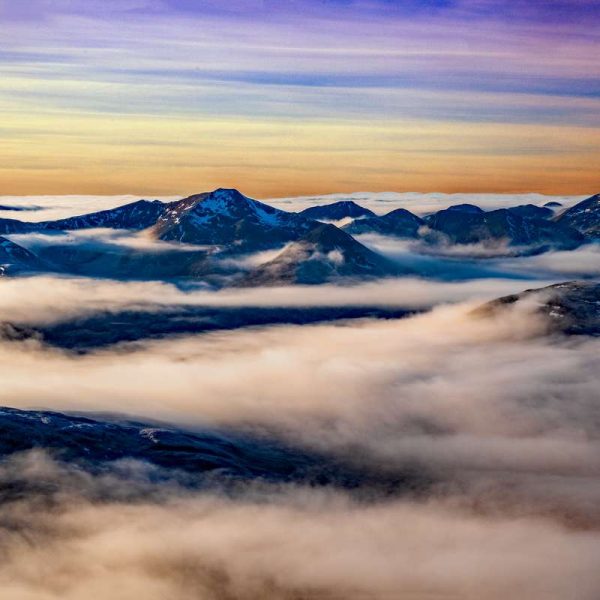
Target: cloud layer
{"x": 498, "y": 421}
{"x": 487, "y": 426}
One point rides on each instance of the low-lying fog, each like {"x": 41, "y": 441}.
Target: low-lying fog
{"x": 500, "y": 419}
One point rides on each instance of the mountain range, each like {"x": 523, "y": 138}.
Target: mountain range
{"x": 204, "y": 231}
{"x": 502, "y": 226}
{"x": 398, "y": 223}
{"x": 523, "y": 229}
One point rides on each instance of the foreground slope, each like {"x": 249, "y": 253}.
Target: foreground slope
{"x": 188, "y": 457}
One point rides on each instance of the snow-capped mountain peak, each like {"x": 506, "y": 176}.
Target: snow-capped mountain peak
{"x": 227, "y": 217}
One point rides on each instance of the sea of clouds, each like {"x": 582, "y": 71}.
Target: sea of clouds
{"x": 497, "y": 420}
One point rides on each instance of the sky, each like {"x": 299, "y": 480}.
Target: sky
{"x": 161, "y": 97}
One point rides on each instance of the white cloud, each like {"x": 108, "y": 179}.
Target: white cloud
{"x": 497, "y": 420}
{"x": 47, "y": 298}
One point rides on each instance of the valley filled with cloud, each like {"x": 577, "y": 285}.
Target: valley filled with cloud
{"x": 300, "y": 412}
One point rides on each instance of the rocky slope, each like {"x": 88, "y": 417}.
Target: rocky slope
{"x": 572, "y": 307}
{"x": 227, "y": 218}
{"x": 15, "y": 259}
{"x": 189, "y": 458}
{"x": 136, "y": 215}
{"x": 325, "y": 253}
{"x": 503, "y": 226}
{"x": 584, "y": 216}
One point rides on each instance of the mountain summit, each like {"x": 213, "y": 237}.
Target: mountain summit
{"x": 337, "y": 211}
{"x": 323, "y": 254}
{"x": 227, "y": 217}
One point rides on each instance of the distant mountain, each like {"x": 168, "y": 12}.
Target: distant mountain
{"x": 136, "y": 215}
{"x": 224, "y": 223}
{"x": 325, "y": 253}
{"x": 466, "y": 208}
{"x": 503, "y": 226}
{"x": 227, "y": 218}
{"x": 527, "y": 211}
{"x": 584, "y": 216}
{"x": 15, "y": 259}
{"x": 398, "y": 223}
{"x": 572, "y": 307}
{"x": 337, "y": 211}
{"x": 553, "y": 204}
{"x": 530, "y": 211}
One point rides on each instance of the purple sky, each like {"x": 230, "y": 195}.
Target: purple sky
{"x": 467, "y": 66}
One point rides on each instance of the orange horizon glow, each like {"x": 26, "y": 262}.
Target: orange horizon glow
{"x": 310, "y": 98}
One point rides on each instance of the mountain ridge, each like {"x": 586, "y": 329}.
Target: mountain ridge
{"x": 324, "y": 253}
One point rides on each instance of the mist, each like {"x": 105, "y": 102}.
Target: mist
{"x": 46, "y": 299}
{"x": 498, "y": 418}
{"x": 487, "y": 424}
{"x": 278, "y": 543}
